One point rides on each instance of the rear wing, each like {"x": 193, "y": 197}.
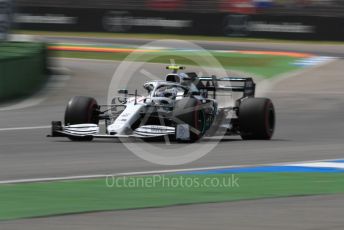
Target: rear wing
{"x": 232, "y": 84}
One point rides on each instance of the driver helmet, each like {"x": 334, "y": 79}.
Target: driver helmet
{"x": 167, "y": 92}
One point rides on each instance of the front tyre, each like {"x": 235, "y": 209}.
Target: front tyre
{"x": 81, "y": 110}
{"x": 256, "y": 119}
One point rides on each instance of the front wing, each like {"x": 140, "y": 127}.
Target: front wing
{"x": 93, "y": 130}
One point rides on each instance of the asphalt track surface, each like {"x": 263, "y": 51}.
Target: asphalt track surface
{"x": 310, "y": 126}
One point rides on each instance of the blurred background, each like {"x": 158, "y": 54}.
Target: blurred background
{"x": 53, "y": 50}
{"x": 289, "y": 19}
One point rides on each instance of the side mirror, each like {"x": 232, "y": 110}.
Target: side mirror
{"x": 148, "y": 87}
{"x": 123, "y": 91}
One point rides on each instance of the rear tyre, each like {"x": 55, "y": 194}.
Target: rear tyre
{"x": 188, "y": 111}
{"x": 256, "y": 119}
{"x": 81, "y": 110}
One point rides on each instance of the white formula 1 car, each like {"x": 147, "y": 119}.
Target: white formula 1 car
{"x": 183, "y": 107}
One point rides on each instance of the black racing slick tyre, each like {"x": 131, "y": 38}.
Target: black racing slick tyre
{"x": 188, "y": 111}
{"x": 81, "y": 110}
{"x": 256, "y": 119}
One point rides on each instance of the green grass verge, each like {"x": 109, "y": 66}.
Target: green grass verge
{"x": 265, "y": 66}
{"x": 170, "y": 36}
{"x": 43, "y": 199}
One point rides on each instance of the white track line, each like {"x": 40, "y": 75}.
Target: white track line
{"x": 336, "y": 165}
{"x": 46, "y": 179}
{"x": 26, "y": 103}
{"x": 54, "y": 82}
{"x": 25, "y": 128}
{"x": 154, "y": 172}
